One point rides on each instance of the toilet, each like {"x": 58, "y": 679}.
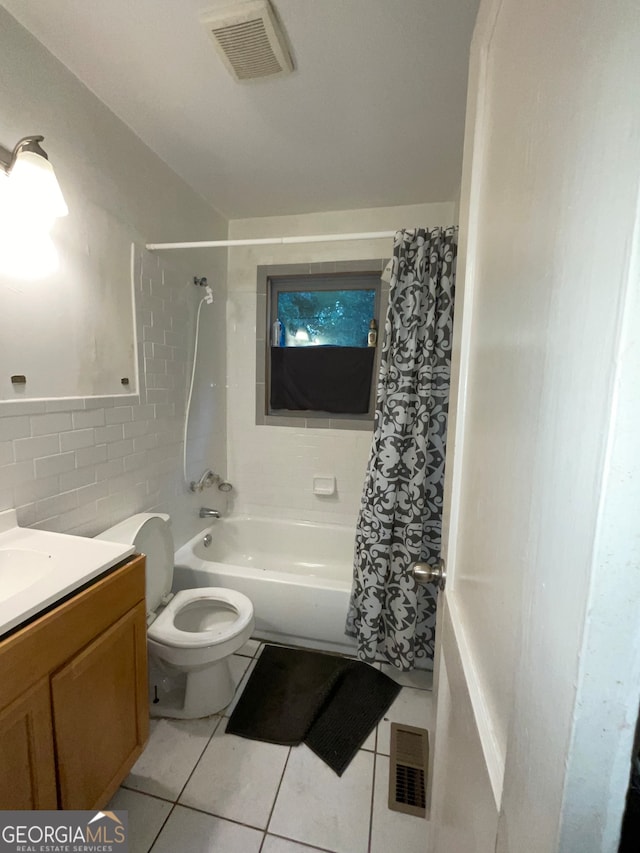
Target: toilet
{"x": 190, "y": 635}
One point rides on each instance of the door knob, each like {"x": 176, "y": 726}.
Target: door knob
{"x": 424, "y": 573}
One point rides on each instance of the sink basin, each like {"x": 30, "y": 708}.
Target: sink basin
{"x": 20, "y": 568}
{"x": 38, "y": 568}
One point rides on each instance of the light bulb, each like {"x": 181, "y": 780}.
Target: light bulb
{"x": 34, "y": 189}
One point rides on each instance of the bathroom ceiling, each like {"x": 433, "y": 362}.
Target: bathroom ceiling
{"x": 373, "y": 114}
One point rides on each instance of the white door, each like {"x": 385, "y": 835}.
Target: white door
{"x": 537, "y": 663}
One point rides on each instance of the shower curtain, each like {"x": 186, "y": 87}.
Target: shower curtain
{"x": 391, "y": 617}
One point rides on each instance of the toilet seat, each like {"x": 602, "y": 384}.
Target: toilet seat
{"x": 163, "y": 629}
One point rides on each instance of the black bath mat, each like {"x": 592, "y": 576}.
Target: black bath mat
{"x": 329, "y": 702}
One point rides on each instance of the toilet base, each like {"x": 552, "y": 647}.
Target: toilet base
{"x": 189, "y": 695}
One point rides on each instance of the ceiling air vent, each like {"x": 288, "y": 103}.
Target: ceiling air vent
{"x": 249, "y": 40}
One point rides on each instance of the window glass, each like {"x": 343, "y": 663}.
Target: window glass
{"x": 325, "y": 317}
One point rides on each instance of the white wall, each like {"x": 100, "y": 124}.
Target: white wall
{"x": 80, "y": 465}
{"x": 272, "y": 467}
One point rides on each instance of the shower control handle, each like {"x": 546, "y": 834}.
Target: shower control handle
{"x": 424, "y": 573}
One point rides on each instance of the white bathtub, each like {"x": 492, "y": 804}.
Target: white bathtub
{"x": 296, "y": 573}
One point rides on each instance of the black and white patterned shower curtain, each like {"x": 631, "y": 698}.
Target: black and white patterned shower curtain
{"x": 391, "y": 617}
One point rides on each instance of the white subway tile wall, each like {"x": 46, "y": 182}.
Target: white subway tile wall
{"x": 79, "y": 465}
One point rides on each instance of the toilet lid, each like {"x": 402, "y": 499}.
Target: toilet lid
{"x": 154, "y": 539}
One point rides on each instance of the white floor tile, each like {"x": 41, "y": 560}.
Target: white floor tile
{"x": 393, "y": 830}
{"x": 422, "y": 679}
{"x": 230, "y": 708}
{"x": 187, "y": 831}
{"x": 273, "y": 844}
{"x": 249, "y": 649}
{"x": 172, "y": 752}
{"x": 370, "y": 742}
{"x": 146, "y": 816}
{"x": 237, "y": 778}
{"x": 411, "y": 706}
{"x": 315, "y": 806}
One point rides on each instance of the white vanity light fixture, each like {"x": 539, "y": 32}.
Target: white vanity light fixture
{"x": 32, "y": 189}
{"x": 30, "y": 202}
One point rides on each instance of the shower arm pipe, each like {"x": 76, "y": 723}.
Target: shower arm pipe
{"x": 273, "y": 241}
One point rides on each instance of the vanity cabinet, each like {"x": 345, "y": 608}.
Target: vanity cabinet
{"x": 73, "y": 697}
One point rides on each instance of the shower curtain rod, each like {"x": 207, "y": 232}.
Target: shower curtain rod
{"x": 272, "y": 241}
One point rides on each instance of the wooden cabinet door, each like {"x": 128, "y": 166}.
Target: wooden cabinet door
{"x": 27, "y": 765}
{"x": 100, "y": 713}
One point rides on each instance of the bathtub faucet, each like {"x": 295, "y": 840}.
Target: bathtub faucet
{"x": 205, "y": 512}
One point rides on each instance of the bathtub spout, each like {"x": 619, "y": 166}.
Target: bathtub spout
{"x": 205, "y": 512}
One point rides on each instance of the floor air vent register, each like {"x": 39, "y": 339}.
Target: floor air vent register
{"x": 408, "y": 769}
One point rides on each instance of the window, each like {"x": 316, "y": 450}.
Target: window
{"x": 321, "y": 345}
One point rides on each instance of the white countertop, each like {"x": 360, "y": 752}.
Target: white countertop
{"x": 38, "y": 568}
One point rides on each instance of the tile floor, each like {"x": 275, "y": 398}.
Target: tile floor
{"x": 196, "y": 789}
